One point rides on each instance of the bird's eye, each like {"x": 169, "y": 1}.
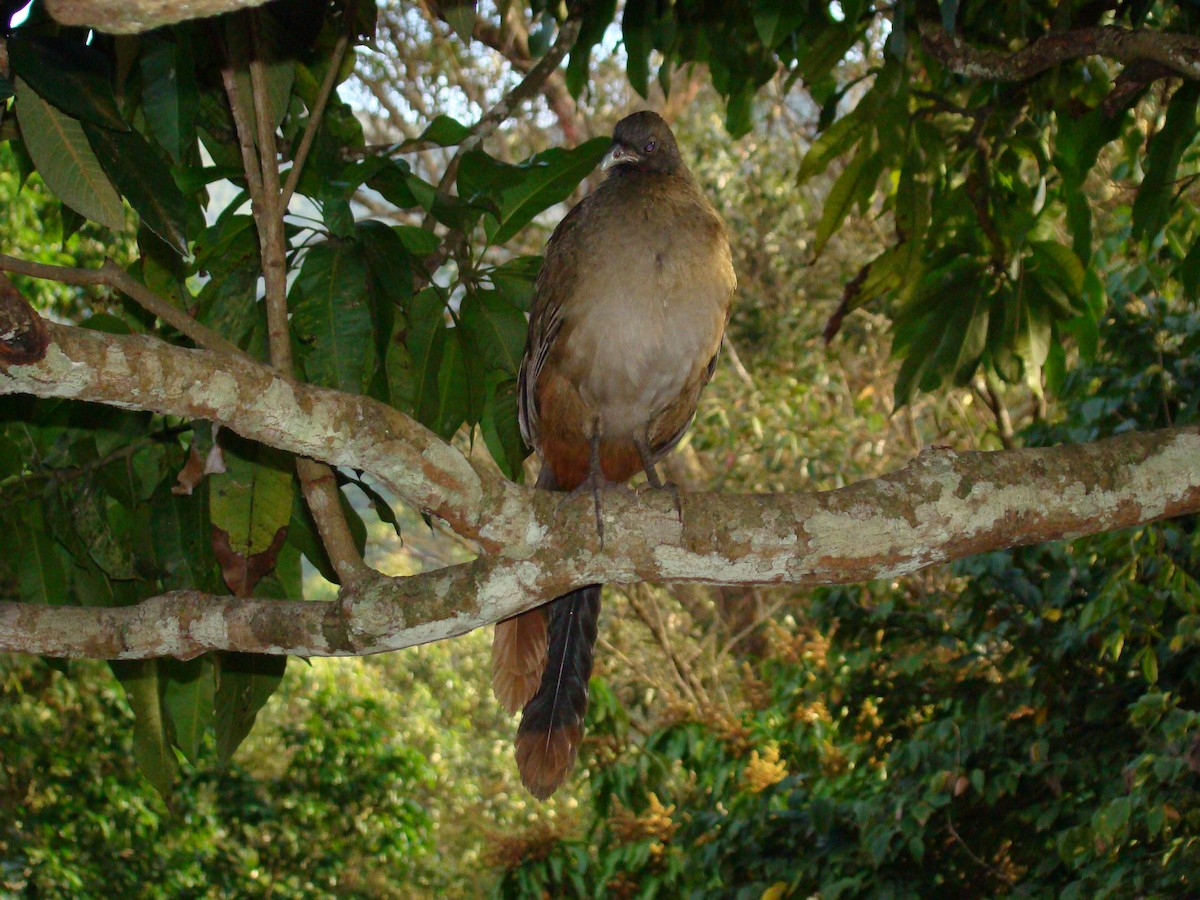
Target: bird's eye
{"x": 649, "y": 148}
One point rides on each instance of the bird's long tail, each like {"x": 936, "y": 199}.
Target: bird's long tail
{"x": 542, "y": 660}
{"x": 552, "y": 721}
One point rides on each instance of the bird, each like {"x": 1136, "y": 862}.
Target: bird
{"x": 629, "y": 310}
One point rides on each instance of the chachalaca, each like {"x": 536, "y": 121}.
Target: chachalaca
{"x": 628, "y": 313}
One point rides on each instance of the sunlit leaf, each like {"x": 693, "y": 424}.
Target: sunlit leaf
{"x": 65, "y": 159}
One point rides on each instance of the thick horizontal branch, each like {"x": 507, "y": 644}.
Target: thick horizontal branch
{"x": 133, "y": 16}
{"x": 139, "y": 372}
{"x": 1178, "y": 52}
{"x": 943, "y": 506}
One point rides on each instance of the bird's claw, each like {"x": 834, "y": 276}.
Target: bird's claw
{"x": 670, "y": 487}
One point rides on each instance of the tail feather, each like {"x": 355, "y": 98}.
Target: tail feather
{"x": 519, "y": 658}
{"x": 552, "y": 721}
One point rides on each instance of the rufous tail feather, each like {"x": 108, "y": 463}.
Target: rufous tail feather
{"x": 519, "y": 658}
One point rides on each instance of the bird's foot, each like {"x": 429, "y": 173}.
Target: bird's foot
{"x": 596, "y": 484}
{"x": 671, "y": 488}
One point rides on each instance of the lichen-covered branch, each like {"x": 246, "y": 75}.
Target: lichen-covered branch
{"x": 139, "y": 372}
{"x": 1179, "y": 53}
{"x": 943, "y": 506}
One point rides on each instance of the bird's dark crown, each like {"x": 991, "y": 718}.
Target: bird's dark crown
{"x": 646, "y": 143}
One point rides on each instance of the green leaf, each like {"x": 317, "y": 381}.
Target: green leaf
{"x": 41, "y": 577}
{"x": 188, "y": 696}
{"x": 151, "y": 736}
{"x": 637, "y": 36}
{"x": 1153, "y": 205}
{"x": 501, "y": 432}
{"x": 245, "y": 682}
{"x": 1060, "y": 264}
{"x": 65, "y": 160}
{"x": 596, "y": 18}
{"x": 842, "y": 196}
{"x": 169, "y": 94}
{"x": 252, "y": 499}
{"x": 443, "y": 131}
{"x": 145, "y": 182}
{"x": 279, "y": 70}
{"x": 426, "y": 342}
{"x": 457, "y": 399}
{"x": 181, "y": 539}
{"x": 460, "y": 15}
{"x": 417, "y": 240}
{"x": 1189, "y": 272}
{"x": 70, "y": 75}
{"x": 494, "y": 330}
{"x": 93, "y": 521}
{"x": 228, "y": 302}
{"x": 775, "y": 20}
{"x": 330, "y": 315}
{"x": 389, "y": 279}
{"x": 540, "y": 182}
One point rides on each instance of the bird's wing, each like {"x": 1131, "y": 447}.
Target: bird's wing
{"x": 554, "y": 284}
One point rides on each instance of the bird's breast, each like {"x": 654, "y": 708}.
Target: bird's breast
{"x": 646, "y": 317}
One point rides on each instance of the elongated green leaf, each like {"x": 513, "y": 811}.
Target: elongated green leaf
{"x": 1189, "y": 271}
{"x": 842, "y": 196}
{"x": 245, "y": 682}
{"x": 151, "y": 728}
{"x": 426, "y": 342}
{"x": 458, "y": 395}
{"x": 501, "y": 432}
{"x": 188, "y": 695}
{"x": 460, "y": 14}
{"x": 1152, "y": 207}
{"x": 145, "y": 182}
{"x": 70, "y": 75}
{"x": 252, "y": 499}
{"x": 331, "y": 316}
{"x": 837, "y": 139}
{"x": 41, "y": 577}
{"x": 65, "y": 160}
{"x": 637, "y": 37}
{"x": 181, "y": 539}
{"x": 169, "y": 94}
{"x": 108, "y": 549}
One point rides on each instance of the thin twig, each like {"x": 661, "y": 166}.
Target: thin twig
{"x": 113, "y": 276}
{"x": 507, "y": 105}
{"x": 318, "y": 110}
{"x": 317, "y": 481}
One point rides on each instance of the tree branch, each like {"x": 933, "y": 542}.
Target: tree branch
{"x": 113, "y": 276}
{"x": 1179, "y": 53}
{"x": 943, "y": 506}
{"x": 138, "y": 372}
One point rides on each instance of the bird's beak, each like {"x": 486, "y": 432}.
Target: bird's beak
{"x": 615, "y": 156}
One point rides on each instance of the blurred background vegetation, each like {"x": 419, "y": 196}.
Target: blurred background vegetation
{"x": 1022, "y": 722}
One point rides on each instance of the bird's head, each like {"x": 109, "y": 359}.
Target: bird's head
{"x": 643, "y": 141}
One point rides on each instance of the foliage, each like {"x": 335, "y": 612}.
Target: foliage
{"x": 330, "y": 810}
{"x": 1028, "y": 718}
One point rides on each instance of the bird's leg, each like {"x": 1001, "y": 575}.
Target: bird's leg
{"x": 652, "y": 479}
{"x": 595, "y": 481}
